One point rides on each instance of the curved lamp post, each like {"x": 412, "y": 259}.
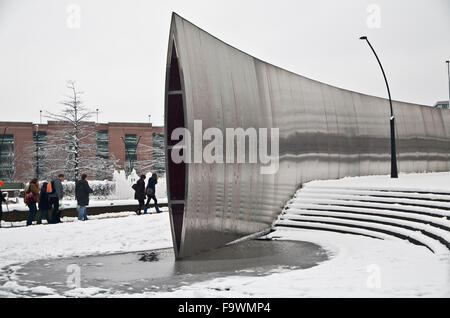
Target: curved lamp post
{"x": 394, "y": 172}
{"x": 37, "y": 150}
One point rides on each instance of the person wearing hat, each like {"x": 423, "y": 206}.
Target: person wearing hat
{"x": 2, "y": 199}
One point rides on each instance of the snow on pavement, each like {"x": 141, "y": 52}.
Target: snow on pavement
{"x": 358, "y": 267}
{"x": 96, "y": 236}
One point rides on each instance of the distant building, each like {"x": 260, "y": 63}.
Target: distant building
{"x": 108, "y": 142}
{"x": 443, "y": 104}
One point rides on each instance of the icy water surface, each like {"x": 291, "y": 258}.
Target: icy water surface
{"x": 157, "y": 270}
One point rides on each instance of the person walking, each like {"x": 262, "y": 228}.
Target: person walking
{"x": 56, "y": 195}
{"x": 2, "y": 200}
{"x": 82, "y": 191}
{"x": 44, "y": 204}
{"x": 139, "y": 193}
{"x": 31, "y": 197}
{"x": 151, "y": 193}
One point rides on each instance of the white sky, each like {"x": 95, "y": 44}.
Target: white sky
{"x": 118, "y": 54}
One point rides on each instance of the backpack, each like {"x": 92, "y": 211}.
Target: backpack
{"x": 134, "y": 186}
{"x": 51, "y": 187}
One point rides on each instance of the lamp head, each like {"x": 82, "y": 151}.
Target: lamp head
{"x": 363, "y": 37}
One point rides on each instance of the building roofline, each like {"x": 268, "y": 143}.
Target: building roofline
{"x": 29, "y": 123}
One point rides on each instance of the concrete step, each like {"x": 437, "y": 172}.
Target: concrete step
{"x": 420, "y": 217}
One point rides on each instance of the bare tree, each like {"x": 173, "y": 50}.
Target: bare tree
{"x": 51, "y": 161}
{"x": 105, "y": 167}
{"x": 76, "y": 134}
{"x": 72, "y": 147}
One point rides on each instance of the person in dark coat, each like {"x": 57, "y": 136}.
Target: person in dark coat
{"x": 139, "y": 193}
{"x": 151, "y": 193}
{"x": 2, "y": 200}
{"x": 82, "y": 191}
{"x": 55, "y": 197}
{"x": 44, "y": 204}
{"x": 31, "y": 197}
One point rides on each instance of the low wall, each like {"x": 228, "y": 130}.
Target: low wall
{"x": 17, "y": 216}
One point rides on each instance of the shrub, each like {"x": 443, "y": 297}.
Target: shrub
{"x": 102, "y": 189}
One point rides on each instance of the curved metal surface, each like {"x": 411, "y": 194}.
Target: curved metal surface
{"x": 324, "y": 133}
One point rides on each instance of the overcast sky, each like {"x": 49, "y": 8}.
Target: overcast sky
{"x": 117, "y": 52}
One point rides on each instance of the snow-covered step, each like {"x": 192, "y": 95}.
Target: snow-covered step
{"x": 337, "y": 228}
{"x": 377, "y": 193}
{"x": 441, "y": 214}
{"x": 358, "y": 197}
{"x": 421, "y": 216}
{"x": 299, "y": 202}
{"x": 386, "y": 188}
{"x": 412, "y": 236}
{"x": 349, "y": 218}
{"x": 442, "y": 223}
{"x": 415, "y": 236}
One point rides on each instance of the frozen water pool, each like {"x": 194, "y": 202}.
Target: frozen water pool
{"x": 157, "y": 270}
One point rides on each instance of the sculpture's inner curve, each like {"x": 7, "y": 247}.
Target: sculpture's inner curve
{"x": 176, "y": 171}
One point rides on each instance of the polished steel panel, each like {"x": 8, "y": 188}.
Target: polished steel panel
{"x": 325, "y": 133}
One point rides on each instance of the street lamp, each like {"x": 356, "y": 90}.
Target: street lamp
{"x": 97, "y": 115}
{"x": 126, "y": 154}
{"x": 137, "y": 143}
{"x": 394, "y": 172}
{"x": 37, "y": 150}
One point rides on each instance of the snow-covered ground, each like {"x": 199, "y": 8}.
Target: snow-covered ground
{"x": 102, "y": 234}
{"x": 358, "y": 266}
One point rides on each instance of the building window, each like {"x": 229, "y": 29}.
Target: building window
{"x": 130, "y": 152}
{"x": 444, "y": 105}
{"x": 158, "y": 153}
{"x": 40, "y": 137}
{"x": 102, "y": 144}
{"x": 6, "y": 157}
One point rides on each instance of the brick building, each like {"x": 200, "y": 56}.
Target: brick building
{"x": 112, "y": 139}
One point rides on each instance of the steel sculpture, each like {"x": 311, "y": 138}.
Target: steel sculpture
{"x": 324, "y": 133}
